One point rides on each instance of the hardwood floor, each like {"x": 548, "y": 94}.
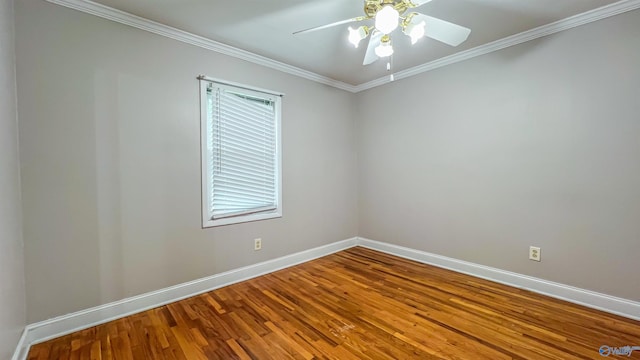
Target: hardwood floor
{"x": 356, "y": 304}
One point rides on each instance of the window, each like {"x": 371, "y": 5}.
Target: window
{"x": 241, "y": 157}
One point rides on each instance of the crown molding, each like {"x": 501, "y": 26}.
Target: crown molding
{"x": 125, "y": 18}
{"x": 541, "y": 31}
{"x": 109, "y": 13}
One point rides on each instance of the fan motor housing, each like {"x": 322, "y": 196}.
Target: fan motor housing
{"x": 371, "y": 7}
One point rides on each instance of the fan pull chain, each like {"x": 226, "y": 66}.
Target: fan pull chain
{"x": 389, "y": 67}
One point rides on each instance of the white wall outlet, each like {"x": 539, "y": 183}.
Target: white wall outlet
{"x": 257, "y": 244}
{"x": 534, "y": 253}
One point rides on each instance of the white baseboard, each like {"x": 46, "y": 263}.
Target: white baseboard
{"x": 66, "y": 324}
{"x": 611, "y": 304}
{"x": 22, "y": 349}
{"x": 52, "y": 328}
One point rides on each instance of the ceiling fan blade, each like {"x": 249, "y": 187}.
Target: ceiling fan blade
{"x": 443, "y": 31}
{"x": 416, "y": 3}
{"x": 359, "y": 18}
{"x": 374, "y": 41}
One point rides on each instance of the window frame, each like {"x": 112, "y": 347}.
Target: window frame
{"x": 207, "y": 218}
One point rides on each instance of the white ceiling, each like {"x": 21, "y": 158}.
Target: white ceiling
{"x": 265, "y": 27}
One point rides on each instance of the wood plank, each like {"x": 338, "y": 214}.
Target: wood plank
{"x": 355, "y": 304}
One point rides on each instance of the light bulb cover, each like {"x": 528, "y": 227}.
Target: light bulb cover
{"x": 384, "y": 49}
{"x": 415, "y": 31}
{"x": 387, "y": 19}
{"x": 356, "y": 35}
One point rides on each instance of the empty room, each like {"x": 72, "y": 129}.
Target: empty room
{"x": 319, "y": 179}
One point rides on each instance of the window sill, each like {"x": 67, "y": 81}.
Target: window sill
{"x": 207, "y": 223}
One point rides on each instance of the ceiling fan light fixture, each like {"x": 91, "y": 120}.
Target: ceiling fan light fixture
{"x": 356, "y": 35}
{"x": 387, "y": 19}
{"x": 388, "y": 15}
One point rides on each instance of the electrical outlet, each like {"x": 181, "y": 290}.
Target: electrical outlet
{"x": 534, "y": 253}
{"x": 257, "y": 244}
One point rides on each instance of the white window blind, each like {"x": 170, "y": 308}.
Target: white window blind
{"x": 242, "y": 153}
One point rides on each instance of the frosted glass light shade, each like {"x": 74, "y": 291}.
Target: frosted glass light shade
{"x": 415, "y": 31}
{"x": 356, "y": 35}
{"x": 387, "y": 19}
{"x": 384, "y": 49}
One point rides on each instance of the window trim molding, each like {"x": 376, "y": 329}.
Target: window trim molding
{"x": 207, "y": 221}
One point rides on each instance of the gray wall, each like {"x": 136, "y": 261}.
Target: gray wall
{"x": 12, "y": 304}
{"x": 538, "y": 144}
{"x": 109, "y": 141}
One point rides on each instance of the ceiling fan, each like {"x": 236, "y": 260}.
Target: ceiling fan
{"x": 388, "y": 15}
